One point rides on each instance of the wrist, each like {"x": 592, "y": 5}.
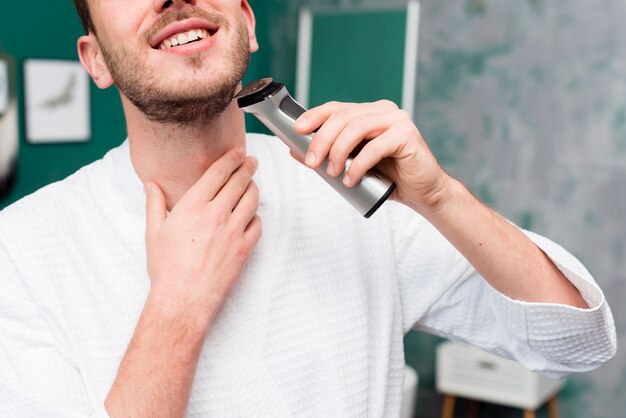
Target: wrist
{"x": 453, "y": 199}
{"x": 170, "y": 311}
{"x": 443, "y": 196}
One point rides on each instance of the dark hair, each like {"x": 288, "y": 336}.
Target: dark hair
{"x": 82, "y": 7}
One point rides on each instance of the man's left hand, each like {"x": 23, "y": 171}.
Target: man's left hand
{"x": 392, "y": 143}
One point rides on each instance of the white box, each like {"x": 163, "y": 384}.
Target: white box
{"x": 471, "y": 373}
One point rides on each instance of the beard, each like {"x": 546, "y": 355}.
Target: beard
{"x": 192, "y": 103}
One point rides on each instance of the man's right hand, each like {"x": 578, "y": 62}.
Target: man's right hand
{"x": 197, "y": 252}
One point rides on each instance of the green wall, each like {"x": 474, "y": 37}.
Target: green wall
{"x": 372, "y": 58}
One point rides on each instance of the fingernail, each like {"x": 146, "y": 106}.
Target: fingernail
{"x": 146, "y": 189}
{"x": 241, "y": 151}
{"x": 331, "y": 168}
{"x": 302, "y": 123}
{"x": 310, "y": 158}
{"x": 346, "y": 180}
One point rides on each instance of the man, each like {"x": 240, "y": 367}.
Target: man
{"x": 304, "y": 319}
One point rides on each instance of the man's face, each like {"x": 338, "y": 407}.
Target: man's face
{"x": 177, "y": 61}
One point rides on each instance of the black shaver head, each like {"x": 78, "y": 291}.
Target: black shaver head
{"x": 257, "y": 91}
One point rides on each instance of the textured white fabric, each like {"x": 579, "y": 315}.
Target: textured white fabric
{"x": 314, "y": 327}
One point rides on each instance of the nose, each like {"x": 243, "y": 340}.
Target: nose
{"x": 161, "y": 5}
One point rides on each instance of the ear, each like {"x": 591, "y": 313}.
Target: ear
{"x": 251, "y": 24}
{"x": 91, "y": 57}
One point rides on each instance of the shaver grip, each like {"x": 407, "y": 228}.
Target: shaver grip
{"x": 272, "y": 104}
{"x": 292, "y": 109}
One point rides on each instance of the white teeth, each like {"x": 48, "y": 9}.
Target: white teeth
{"x": 184, "y": 38}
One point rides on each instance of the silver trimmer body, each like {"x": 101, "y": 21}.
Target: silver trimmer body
{"x": 272, "y": 104}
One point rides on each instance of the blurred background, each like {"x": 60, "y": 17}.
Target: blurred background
{"x": 524, "y": 101}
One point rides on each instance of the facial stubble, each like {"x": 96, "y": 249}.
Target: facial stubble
{"x": 188, "y": 105}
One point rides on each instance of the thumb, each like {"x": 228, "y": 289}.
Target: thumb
{"x": 156, "y": 209}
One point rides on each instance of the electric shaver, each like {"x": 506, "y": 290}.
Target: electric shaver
{"x": 272, "y": 104}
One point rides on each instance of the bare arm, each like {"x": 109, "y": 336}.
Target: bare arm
{"x": 508, "y": 260}
{"x": 500, "y": 252}
{"x": 195, "y": 258}
{"x": 157, "y": 371}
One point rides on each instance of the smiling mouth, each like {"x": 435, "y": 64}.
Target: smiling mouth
{"x": 186, "y": 37}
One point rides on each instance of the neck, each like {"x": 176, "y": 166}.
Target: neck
{"x": 175, "y": 157}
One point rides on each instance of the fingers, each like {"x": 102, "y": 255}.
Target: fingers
{"x": 156, "y": 210}
{"x": 334, "y": 117}
{"x": 315, "y": 117}
{"x": 237, "y": 184}
{"x": 212, "y": 181}
{"x": 247, "y": 206}
{"x": 252, "y": 234}
{"x": 386, "y": 145}
{"x": 254, "y": 227}
{"x": 355, "y": 132}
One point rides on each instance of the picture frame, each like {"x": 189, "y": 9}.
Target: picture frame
{"x": 57, "y": 101}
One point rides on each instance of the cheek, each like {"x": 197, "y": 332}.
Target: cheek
{"x": 121, "y": 22}
{"x": 221, "y": 6}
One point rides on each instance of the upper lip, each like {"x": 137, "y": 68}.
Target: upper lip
{"x": 181, "y": 27}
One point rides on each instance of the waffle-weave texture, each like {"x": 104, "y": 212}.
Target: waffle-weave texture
{"x": 314, "y": 328}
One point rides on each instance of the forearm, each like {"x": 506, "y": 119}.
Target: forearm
{"x": 157, "y": 372}
{"x": 508, "y": 260}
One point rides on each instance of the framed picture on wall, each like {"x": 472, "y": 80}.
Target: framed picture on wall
{"x": 57, "y": 101}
